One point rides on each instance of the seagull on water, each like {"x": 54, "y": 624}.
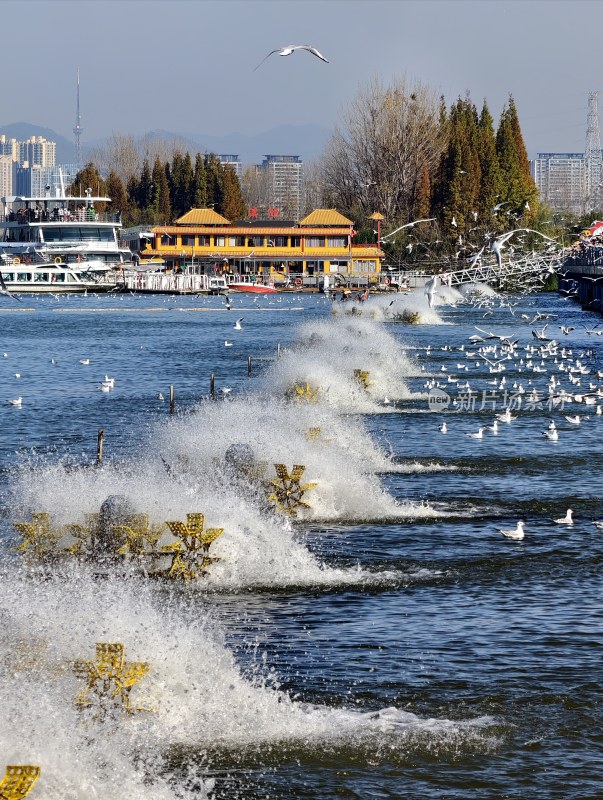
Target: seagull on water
{"x": 443, "y": 428}
{"x": 573, "y": 420}
{"x": 17, "y": 403}
{"x": 514, "y": 533}
{"x": 237, "y": 325}
{"x": 85, "y": 361}
{"x": 566, "y": 520}
{"x": 478, "y": 435}
{"x": 553, "y": 435}
{"x": 227, "y": 344}
{"x": 506, "y": 417}
{"x": 290, "y": 49}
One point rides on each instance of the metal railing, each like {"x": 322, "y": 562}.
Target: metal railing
{"x": 28, "y": 217}
{"x": 164, "y": 282}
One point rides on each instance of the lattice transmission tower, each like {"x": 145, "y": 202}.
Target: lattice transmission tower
{"x": 77, "y": 131}
{"x": 592, "y": 155}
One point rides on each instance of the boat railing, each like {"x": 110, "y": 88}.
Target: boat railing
{"x": 32, "y": 216}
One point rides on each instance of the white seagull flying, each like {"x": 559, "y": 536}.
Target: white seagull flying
{"x": 5, "y": 290}
{"x": 290, "y": 49}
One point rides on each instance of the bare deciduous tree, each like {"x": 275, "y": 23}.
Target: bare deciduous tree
{"x": 313, "y": 194}
{"x": 125, "y": 154}
{"x": 376, "y": 160}
{"x": 255, "y": 185}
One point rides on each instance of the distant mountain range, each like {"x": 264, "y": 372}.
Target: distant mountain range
{"x": 306, "y": 141}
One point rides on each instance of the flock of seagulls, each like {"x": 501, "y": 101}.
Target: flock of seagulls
{"x": 542, "y": 374}
{"x": 108, "y": 384}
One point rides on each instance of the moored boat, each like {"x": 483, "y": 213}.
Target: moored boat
{"x": 249, "y": 284}
{"x": 64, "y": 229}
{"x": 50, "y": 278}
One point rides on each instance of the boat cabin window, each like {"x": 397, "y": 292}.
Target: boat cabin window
{"x": 23, "y": 277}
{"x": 41, "y": 277}
{"x": 8, "y": 276}
{"x": 75, "y": 233}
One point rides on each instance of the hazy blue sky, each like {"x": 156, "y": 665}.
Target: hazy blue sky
{"x": 187, "y": 65}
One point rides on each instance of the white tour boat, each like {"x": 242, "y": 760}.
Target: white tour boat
{"x": 18, "y": 278}
{"x": 62, "y": 229}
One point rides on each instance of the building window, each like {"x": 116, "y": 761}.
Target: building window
{"x": 220, "y": 241}
{"x": 296, "y": 241}
{"x": 203, "y": 241}
{"x": 165, "y": 240}
{"x": 337, "y": 241}
{"x": 364, "y": 266}
{"x": 255, "y": 241}
{"x": 188, "y": 241}
{"x": 315, "y": 241}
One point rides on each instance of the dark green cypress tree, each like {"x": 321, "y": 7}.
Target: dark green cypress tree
{"x": 176, "y": 198}
{"x": 422, "y": 207}
{"x": 214, "y": 173}
{"x": 161, "y": 194}
{"x": 119, "y": 199}
{"x": 145, "y": 193}
{"x": 460, "y": 172}
{"x": 233, "y": 204}
{"x": 199, "y": 183}
{"x": 133, "y": 193}
{"x": 89, "y": 178}
{"x": 491, "y": 179}
{"x": 187, "y": 181}
{"x": 518, "y": 190}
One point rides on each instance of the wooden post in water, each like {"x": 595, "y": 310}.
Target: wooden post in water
{"x": 99, "y": 447}
{"x": 171, "y": 399}
{"x": 249, "y": 367}
{"x": 212, "y": 386}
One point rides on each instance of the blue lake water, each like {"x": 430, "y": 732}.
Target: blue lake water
{"x": 391, "y": 643}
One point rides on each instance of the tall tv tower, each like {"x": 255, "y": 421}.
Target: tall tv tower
{"x": 78, "y": 128}
{"x": 592, "y": 155}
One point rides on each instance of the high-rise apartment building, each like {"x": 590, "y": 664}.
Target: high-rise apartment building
{"x": 38, "y": 152}
{"x": 232, "y": 161}
{"x": 10, "y": 147}
{"x": 44, "y": 181}
{"x": 561, "y": 179}
{"x": 7, "y": 175}
{"x": 284, "y": 174}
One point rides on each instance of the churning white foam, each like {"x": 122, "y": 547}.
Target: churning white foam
{"x": 197, "y": 695}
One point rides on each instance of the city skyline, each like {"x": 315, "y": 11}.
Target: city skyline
{"x": 140, "y": 73}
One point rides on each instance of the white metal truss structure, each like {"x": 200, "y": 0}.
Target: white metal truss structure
{"x": 526, "y": 272}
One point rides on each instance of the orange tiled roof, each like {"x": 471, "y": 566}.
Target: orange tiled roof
{"x": 325, "y": 216}
{"x": 202, "y": 216}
